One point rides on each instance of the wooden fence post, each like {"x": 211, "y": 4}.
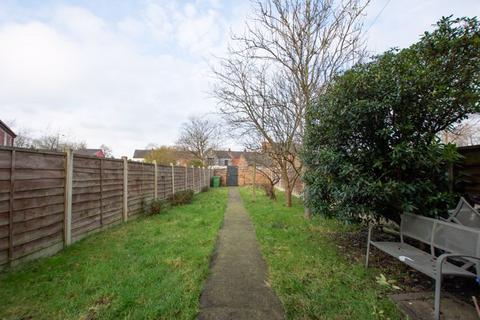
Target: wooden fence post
{"x": 186, "y": 177}
{"x": 173, "y": 178}
{"x": 10, "y": 211}
{"x": 125, "y": 189}
{"x": 155, "y": 179}
{"x": 68, "y": 197}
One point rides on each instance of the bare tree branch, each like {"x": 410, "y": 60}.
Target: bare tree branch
{"x": 279, "y": 66}
{"x": 199, "y": 137}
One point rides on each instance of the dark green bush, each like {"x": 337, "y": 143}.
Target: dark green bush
{"x": 155, "y": 206}
{"x": 371, "y": 147}
{"x": 181, "y": 197}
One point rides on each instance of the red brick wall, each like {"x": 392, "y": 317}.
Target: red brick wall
{"x": 223, "y": 175}
{"x": 245, "y": 176}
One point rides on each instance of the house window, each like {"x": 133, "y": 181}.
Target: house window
{"x": 226, "y": 162}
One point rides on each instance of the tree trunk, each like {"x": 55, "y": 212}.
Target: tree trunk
{"x": 286, "y": 185}
{"x": 288, "y": 196}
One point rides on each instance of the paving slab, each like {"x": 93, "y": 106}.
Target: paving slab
{"x": 238, "y": 287}
{"x": 419, "y": 306}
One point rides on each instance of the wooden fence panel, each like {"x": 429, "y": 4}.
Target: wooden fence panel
{"x": 467, "y": 173}
{"x": 164, "y": 181}
{"x": 33, "y": 206}
{"x": 190, "y": 179}
{"x": 37, "y": 201}
{"x": 197, "y": 179}
{"x": 135, "y": 187}
{"x": 179, "y": 178}
{"x": 148, "y": 191}
{"x": 86, "y": 195}
{"x": 111, "y": 191}
{"x": 5, "y": 185}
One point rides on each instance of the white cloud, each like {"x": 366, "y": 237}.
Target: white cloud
{"x": 199, "y": 33}
{"x": 159, "y": 19}
{"x": 403, "y": 22}
{"x": 94, "y": 80}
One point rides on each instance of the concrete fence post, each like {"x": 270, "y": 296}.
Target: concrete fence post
{"x": 173, "y": 178}
{"x": 155, "y": 180}
{"x": 67, "y": 229}
{"x": 125, "y": 189}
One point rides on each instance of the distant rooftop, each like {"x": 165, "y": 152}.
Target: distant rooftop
{"x": 91, "y": 152}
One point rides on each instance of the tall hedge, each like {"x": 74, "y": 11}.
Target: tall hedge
{"x": 371, "y": 145}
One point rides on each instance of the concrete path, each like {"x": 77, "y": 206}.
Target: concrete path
{"x": 237, "y": 287}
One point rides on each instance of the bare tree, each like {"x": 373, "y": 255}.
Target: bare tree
{"x": 463, "y": 134}
{"x": 56, "y": 142}
{"x": 268, "y": 169}
{"x": 22, "y": 140}
{"x": 47, "y": 142}
{"x": 199, "y": 137}
{"x": 290, "y": 51}
{"x": 53, "y": 141}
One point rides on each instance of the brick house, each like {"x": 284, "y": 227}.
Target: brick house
{"x": 7, "y": 136}
{"x": 244, "y": 161}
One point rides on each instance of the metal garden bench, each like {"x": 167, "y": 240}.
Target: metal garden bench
{"x": 454, "y": 239}
{"x": 464, "y": 214}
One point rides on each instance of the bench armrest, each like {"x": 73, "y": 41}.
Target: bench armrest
{"x": 445, "y": 256}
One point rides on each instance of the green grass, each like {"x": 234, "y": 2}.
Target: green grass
{"x": 311, "y": 277}
{"x": 149, "y": 268}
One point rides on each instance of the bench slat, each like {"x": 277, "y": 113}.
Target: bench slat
{"x": 418, "y": 259}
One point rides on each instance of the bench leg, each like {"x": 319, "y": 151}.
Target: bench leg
{"x": 438, "y": 288}
{"x": 368, "y": 247}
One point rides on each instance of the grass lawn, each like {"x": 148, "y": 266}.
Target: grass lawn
{"x": 149, "y": 268}
{"x": 310, "y": 275}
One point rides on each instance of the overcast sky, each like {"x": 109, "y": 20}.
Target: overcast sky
{"x": 128, "y": 73}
